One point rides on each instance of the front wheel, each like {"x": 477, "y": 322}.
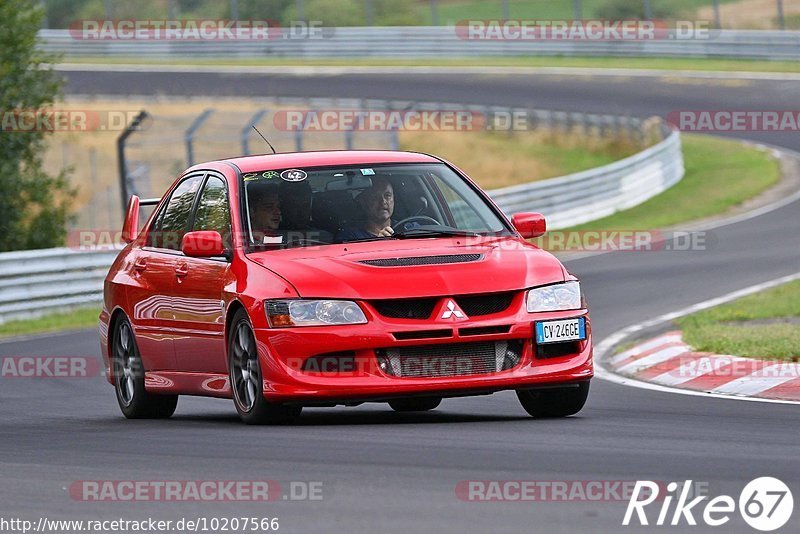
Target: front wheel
{"x": 556, "y": 402}
{"x": 415, "y": 404}
{"x": 128, "y": 371}
{"x": 247, "y": 381}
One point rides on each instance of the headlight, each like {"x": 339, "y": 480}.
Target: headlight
{"x": 282, "y": 313}
{"x": 566, "y": 296}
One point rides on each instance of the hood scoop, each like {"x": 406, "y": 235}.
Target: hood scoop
{"x": 423, "y": 260}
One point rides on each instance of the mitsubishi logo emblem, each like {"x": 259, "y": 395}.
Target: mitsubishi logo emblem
{"x": 451, "y": 311}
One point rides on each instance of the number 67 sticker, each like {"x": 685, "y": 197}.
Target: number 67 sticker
{"x": 766, "y": 503}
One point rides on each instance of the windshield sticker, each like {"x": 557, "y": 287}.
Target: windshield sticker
{"x": 272, "y": 239}
{"x": 250, "y": 176}
{"x": 367, "y": 172}
{"x": 294, "y": 175}
{"x": 269, "y": 175}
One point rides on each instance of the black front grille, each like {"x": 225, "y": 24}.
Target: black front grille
{"x": 422, "y": 334}
{"x": 423, "y": 260}
{"x": 458, "y": 359}
{"x": 484, "y": 330}
{"x": 406, "y": 308}
{"x": 472, "y": 305}
{"x": 485, "y": 304}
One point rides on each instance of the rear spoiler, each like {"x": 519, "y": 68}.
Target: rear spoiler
{"x": 130, "y": 227}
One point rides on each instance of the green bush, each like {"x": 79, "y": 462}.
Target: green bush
{"x": 33, "y": 205}
{"x": 632, "y": 9}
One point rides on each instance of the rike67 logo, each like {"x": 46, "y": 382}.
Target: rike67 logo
{"x": 765, "y": 504}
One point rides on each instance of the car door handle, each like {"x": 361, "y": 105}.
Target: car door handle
{"x": 140, "y": 264}
{"x": 181, "y": 270}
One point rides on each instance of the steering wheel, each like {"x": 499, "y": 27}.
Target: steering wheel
{"x": 419, "y": 219}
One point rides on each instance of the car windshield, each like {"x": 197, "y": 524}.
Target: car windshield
{"x": 319, "y": 206}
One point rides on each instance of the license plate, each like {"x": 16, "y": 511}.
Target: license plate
{"x": 562, "y": 330}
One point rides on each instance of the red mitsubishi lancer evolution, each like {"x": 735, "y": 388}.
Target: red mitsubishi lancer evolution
{"x": 308, "y": 279}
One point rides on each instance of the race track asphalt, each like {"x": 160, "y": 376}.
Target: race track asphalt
{"x": 388, "y": 472}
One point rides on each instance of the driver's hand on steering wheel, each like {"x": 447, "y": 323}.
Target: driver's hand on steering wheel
{"x": 386, "y": 232}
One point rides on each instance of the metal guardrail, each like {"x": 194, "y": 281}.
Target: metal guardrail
{"x": 590, "y": 195}
{"x": 40, "y": 281}
{"x": 431, "y": 42}
{"x": 34, "y": 282}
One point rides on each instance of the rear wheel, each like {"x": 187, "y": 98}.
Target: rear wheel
{"x": 556, "y": 402}
{"x": 128, "y": 372}
{"x": 415, "y": 404}
{"x": 247, "y": 381}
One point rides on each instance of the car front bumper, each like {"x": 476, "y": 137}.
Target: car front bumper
{"x": 283, "y": 351}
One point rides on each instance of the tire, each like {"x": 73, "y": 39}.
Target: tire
{"x": 415, "y": 404}
{"x": 557, "y": 402}
{"x": 128, "y": 372}
{"x": 246, "y": 379}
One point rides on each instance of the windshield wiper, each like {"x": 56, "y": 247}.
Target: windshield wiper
{"x": 426, "y": 231}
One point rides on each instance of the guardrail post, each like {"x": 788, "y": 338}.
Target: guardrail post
{"x": 368, "y": 9}
{"x": 248, "y": 130}
{"x": 121, "y": 163}
{"x": 298, "y": 134}
{"x": 577, "y": 9}
{"x": 190, "y": 133}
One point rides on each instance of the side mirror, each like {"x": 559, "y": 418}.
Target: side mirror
{"x": 203, "y": 244}
{"x": 529, "y": 224}
{"x": 130, "y": 227}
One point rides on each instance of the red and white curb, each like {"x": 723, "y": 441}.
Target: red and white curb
{"x": 667, "y": 360}
{"x": 608, "y": 367}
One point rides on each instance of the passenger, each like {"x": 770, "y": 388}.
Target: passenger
{"x": 265, "y": 212}
{"x": 377, "y": 201}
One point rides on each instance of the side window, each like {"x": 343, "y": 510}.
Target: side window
{"x": 213, "y": 211}
{"x": 174, "y": 219}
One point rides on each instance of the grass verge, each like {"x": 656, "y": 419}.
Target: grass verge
{"x": 499, "y": 159}
{"x": 720, "y": 174}
{"x": 84, "y": 317}
{"x": 651, "y": 63}
{"x": 764, "y": 325}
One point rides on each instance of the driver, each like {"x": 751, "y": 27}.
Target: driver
{"x": 377, "y": 201}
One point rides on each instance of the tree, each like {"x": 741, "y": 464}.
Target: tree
{"x": 33, "y": 205}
